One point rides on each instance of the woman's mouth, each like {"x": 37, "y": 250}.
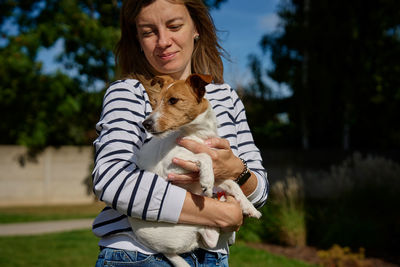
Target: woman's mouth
{"x": 167, "y": 56}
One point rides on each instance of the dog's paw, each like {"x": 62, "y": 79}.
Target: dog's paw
{"x": 252, "y": 212}
{"x": 207, "y": 191}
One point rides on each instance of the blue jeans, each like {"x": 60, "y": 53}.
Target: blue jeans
{"x": 109, "y": 257}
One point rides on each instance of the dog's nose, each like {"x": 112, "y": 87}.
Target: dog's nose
{"x": 148, "y": 124}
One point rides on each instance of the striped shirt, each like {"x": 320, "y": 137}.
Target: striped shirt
{"x": 130, "y": 191}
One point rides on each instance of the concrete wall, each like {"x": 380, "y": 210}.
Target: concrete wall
{"x": 57, "y": 176}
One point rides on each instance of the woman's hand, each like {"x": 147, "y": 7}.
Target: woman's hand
{"x": 225, "y": 164}
{"x": 201, "y": 210}
{"x": 236, "y": 217}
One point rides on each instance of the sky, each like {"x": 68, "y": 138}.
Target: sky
{"x": 241, "y": 24}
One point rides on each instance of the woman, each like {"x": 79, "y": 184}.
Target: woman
{"x": 175, "y": 38}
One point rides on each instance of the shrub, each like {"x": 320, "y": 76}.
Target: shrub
{"x": 356, "y": 173}
{"x": 337, "y": 256}
{"x": 283, "y": 220}
{"x": 288, "y": 196}
{"x": 352, "y": 204}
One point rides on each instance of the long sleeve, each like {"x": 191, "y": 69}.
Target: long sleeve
{"x": 117, "y": 179}
{"x": 250, "y": 153}
{"x": 233, "y": 126}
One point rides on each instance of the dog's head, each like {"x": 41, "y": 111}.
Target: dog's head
{"x": 177, "y": 102}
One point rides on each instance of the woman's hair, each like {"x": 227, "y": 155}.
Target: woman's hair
{"x": 206, "y": 58}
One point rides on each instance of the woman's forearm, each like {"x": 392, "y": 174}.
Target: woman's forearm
{"x": 202, "y": 210}
{"x": 236, "y": 168}
{"x": 250, "y": 185}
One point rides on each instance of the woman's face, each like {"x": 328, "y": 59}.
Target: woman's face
{"x": 166, "y": 34}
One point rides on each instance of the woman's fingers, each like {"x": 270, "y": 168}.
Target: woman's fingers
{"x": 216, "y": 142}
{"x": 191, "y": 176}
{"x": 196, "y": 147}
{"x": 188, "y": 165}
{"x": 187, "y": 178}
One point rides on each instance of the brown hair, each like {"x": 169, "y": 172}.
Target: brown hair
{"x": 206, "y": 58}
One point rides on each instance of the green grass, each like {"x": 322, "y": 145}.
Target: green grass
{"x": 76, "y": 248}
{"x": 48, "y": 213}
{"x": 79, "y": 248}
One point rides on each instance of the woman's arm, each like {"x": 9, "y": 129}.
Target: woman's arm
{"x": 211, "y": 212}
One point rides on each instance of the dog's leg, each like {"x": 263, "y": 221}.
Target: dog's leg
{"x": 210, "y": 236}
{"x": 206, "y": 173}
{"x": 176, "y": 260}
{"x": 233, "y": 189}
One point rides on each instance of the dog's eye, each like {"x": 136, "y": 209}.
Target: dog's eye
{"x": 172, "y": 100}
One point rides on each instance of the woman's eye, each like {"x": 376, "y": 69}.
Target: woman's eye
{"x": 173, "y": 100}
{"x": 175, "y": 27}
{"x": 147, "y": 33}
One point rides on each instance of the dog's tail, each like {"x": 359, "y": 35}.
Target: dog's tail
{"x": 177, "y": 260}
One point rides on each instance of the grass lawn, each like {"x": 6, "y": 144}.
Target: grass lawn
{"x": 48, "y": 213}
{"x": 79, "y": 248}
{"x": 76, "y": 248}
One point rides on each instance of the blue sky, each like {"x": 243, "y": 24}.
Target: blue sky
{"x": 242, "y": 24}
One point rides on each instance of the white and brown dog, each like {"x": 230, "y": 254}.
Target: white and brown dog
{"x": 180, "y": 110}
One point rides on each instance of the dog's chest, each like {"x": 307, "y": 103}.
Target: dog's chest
{"x": 157, "y": 154}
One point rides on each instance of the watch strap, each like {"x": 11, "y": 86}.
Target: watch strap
{"x": 245, "y": 175}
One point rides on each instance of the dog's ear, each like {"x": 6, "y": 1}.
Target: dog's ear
{"x": 158, "y": 80}
{"x": 161, "y": 80}
{"x": 198, "y": 82}
{"x": 154, "y": 86}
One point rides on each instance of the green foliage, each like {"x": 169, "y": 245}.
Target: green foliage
{"x": 284, "y": 218}
{"x": 267, "y": 128}
{"x": 340, "y": 60}
{"x": 352, "y": 204}
{"x": 337, "y": 256}
{"x": 54, "y": 108}
{"x": 288, "y": 196}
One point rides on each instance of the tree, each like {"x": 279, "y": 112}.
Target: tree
{"x": 340, "y": 60}
{"x": 54, "y": 109}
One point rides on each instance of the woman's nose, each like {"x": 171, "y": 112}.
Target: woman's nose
{"x": 164, "y": 39}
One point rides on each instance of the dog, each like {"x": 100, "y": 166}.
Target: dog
{"x": 181, "y": 111}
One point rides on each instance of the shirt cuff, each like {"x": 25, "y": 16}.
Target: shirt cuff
{"x": 255, "y": 195}
{"x": 173, "y": 203}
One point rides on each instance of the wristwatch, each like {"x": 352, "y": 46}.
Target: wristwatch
{"x": 245, "y": 175}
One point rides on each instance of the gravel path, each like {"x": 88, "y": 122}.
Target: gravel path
{"x": 36, "y": 228}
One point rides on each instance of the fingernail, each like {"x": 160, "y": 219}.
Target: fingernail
{"x": 207, "y": 142}
{"x": 170, "y": 176}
